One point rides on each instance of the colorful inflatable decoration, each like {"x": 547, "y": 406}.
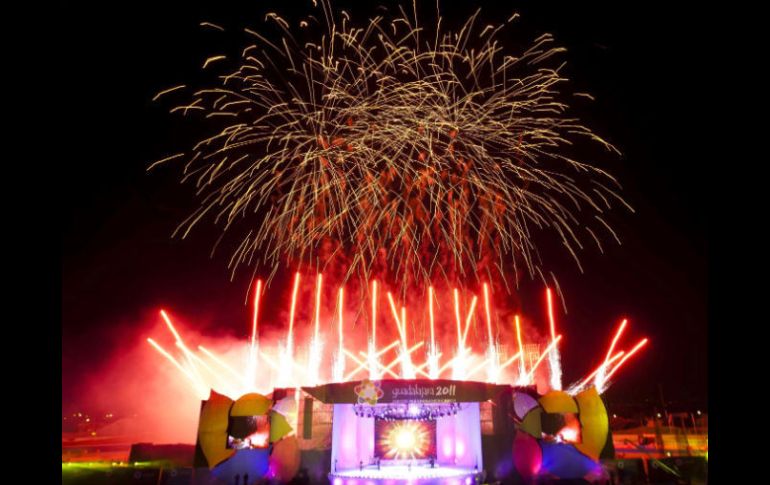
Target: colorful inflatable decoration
{"x": 279, "y": 427}
{"x": 532, "y": 423}
{"x": 594, "y": 423}
{"x": 523, "y": 403}
{"x": 252, "y": 404}
{"x": 284, "y": 461}
{"x": 212, "y": 429}
{"x": 558, "y": 402}
{"x": 527, "y": 456}
{"x": 250, "y": 463}
{"x": 287, "y": 407}
{"x": 572, "y": 452}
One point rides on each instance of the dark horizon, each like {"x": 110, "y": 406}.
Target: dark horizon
{"x": 120, "y": 263}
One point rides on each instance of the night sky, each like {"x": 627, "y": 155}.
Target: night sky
{"x": 120, "y": 263}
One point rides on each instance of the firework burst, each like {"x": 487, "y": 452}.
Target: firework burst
{"x": 395, "y": 151}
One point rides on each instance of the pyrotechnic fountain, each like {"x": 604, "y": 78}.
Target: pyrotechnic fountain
{"x": 461, "y": 366}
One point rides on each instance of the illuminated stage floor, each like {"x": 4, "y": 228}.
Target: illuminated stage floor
{"x": 398, "y": 474}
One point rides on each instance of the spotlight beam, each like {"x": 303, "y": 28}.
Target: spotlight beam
{"x": 469, "y": 318}
{"x": 257, "y": 295}
{"x": 374, "y": 313}
{"x": 200, "y": 389}
{"x": 269, "y": 361}
{"x": 171, "y": 359}
{"x": 603, "y": 364}
{"x": 478, "y": 367}
{"x": 545, "y": 353}
{"x": 379, "y": 353}
{"x": 615, "y": 339}
{"x": 489, "y": 317}
{"x": 221, "y": 363}
{"x": 554, "y": 359}
{"x": 396, "y": 318}
{"x": 362, "y": 365}
{"x": 522, "y": 364}
{"x": 636, "y": 348}
{"x": 185, "y": 350}
{"x": 292, "y": 311}
{"x": 510, "y": 361}
{"x": 430, "y": 313}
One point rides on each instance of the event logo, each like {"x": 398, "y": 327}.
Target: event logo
{"x": 425, "y": 393}
{"x": 369, "y": 392}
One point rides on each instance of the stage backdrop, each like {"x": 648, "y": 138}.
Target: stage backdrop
{"x": 459, "y": 438}
{"x": 405, "y": 439}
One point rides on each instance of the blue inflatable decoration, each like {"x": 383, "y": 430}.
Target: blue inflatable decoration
{"x": 253, "y": 463}
{"x": 565, "y": 461}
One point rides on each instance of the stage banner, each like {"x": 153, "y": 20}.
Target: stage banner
{"x": 395, "y": 391}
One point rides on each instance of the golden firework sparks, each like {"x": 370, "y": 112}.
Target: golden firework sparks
{"x": 403, "y": 154}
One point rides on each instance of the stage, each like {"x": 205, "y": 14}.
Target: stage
{"x": 397, "y": 474}
{"x": 399, "y": 432}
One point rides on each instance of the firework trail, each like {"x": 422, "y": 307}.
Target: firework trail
{"x": 554, "y": 358}
{"x": 404, "y": 152}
